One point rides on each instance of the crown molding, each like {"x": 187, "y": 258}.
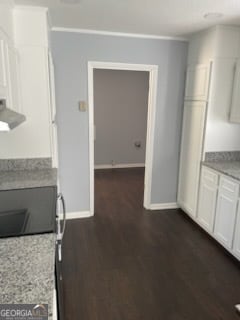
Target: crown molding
{"x": 31, "y": 8}
{"x": 117, "y": 34}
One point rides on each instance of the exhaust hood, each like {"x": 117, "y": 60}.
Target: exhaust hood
{"x": 9, "y": 119}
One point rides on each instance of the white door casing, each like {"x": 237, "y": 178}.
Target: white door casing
{"x": 152, "y": 97}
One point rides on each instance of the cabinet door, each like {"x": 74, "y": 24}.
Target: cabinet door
{"x": 236, "y": 243}
{"x": 13, "y": 80}
{"x": 191, "y": 154}
{"x": 52, "y": 103}
{"x": 226, "y": 211}
{"x": 3, "y": 73}
{"x": 197, "y": 82}
{"x": 235, "y": 106}
{"x": 207, "y": 199}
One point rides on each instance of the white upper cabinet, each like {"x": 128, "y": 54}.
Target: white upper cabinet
{"x": 27, "y": 81}
{"x": 207, "y": 198}
{"x": 3, "y": 65}
{"x": 226, "y": 211}
{"x": 6, "y": 18}
{"x": 14, "y": 101}
{"x": 30, "y": 26}
{"x": 9, "y": 80}
{"x": 197, "y": 82}
{"x": 235, "y": 105}
{"x": 191, "y": 153}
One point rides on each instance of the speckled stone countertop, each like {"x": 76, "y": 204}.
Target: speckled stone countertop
{"x": 21, "y": 179}
{"x": 230, "y": 168}
{"x": 27, "y": 269}
{"x": 27, "y": 173}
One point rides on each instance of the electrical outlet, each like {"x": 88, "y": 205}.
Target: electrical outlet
{"x": 137, "y": 144}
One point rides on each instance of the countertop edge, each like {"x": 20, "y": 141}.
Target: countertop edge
{"x": 212, "y": 165}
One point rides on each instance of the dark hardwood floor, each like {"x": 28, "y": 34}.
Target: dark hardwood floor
{"x": 127, "y": 263}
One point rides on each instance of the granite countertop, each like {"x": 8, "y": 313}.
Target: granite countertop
{"x": 34, "y": 178}
{"x": 27, "y": 269}
{"x": 230, "y": 168}
{"x": 27, "y": 173}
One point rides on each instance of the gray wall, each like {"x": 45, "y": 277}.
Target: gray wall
{"x": 120, "y": 115}
{"x": 71, "y": 52}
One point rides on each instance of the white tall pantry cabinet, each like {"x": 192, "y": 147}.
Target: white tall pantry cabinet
{"x": 212, "y": 104}
{"x": 194, "y": 113}
{"x": 212, "y": 58}
{"x": 191, "y": 153}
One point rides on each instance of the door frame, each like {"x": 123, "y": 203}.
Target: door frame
{"x": 152, "y": 99}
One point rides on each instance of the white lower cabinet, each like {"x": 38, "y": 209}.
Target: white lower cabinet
{"x": 207, "y": 199}
{"x": 226, "y": 211}
{"x": 218, "y": 209}
{"x": 236, "y": 243}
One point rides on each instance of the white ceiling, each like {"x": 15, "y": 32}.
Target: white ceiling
{"x": 153, "y": 17}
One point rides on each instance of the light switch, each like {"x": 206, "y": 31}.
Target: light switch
{"x": 82, "y": 106}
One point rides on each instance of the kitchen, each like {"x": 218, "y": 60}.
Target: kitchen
{"x": 39, "y": 86}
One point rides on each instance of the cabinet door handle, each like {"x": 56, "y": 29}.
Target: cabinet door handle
{"x": 62, "y": 230}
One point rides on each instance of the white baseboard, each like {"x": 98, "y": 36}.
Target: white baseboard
{"x": 77, "y": 215}
{"x": 162, "y": 206}
{"x": 119, "y": 166}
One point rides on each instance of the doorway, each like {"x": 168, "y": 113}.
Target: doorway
{"x": 152, "y": 70}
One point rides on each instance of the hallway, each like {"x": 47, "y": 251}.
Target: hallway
{"x": 127, "y": 263}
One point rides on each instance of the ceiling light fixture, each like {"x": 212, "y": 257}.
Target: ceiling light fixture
{"x": 213, "y": 15}
{"x": 70, "y": 1}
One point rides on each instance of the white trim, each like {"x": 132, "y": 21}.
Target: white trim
{"x": 152, "y": 102}
{"x": 119, "y": 166}
{"x": 118, "y": 34}
{"x": 152, "y": 98}
{"x": 162, "y": 206}
{"x": 122, "y": 66}
{"x": 31, "y": 8}
{"x": 91, "y": 137}
{"x": 76, "y": 215}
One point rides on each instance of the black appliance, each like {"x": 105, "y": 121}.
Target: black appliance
{"x": 61, "y": 223}
{"x": 28, "y": 211}
{"x": 35, "y": 211}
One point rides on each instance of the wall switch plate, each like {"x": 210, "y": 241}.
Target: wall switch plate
{"x": 82, "y": 105}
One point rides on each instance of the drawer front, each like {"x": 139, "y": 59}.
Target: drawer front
{"x": 229, "y": 186}
{"x": 210, "y": 176}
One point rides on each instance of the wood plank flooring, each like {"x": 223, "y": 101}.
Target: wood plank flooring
{"x": 127, "y": 263}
